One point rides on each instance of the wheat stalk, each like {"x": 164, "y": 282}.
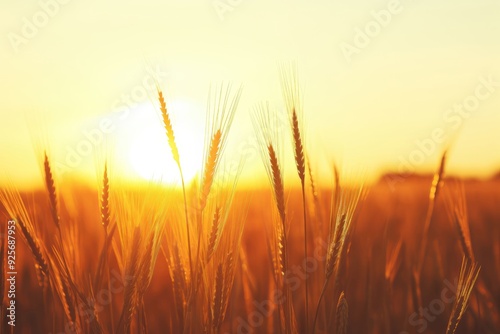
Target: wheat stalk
{"x": 267, "y": 127}
{"x": 290, "y": 87}
{"x": 348, "y": 202}
{"x": 105, "y": 220}
{"x": 175, "y": 154}
{"x": 222, "y": 106}
{"x": 300, "y": 163}
{"x": 437, "y": 183}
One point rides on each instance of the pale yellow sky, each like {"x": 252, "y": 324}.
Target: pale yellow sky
{"x": 380, "y": 79}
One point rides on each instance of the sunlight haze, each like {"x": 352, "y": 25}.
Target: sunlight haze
{"x": 378, "y": 101}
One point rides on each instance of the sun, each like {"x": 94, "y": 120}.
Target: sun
{"x": 149, "y": 155}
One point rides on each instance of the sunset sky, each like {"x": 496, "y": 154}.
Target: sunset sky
{"x": 386, "y": 84}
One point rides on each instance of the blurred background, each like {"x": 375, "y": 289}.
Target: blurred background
{"x": 387, "y": 85}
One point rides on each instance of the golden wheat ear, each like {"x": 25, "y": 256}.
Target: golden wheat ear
{"x": 169, "y": 130}
{"x": 267, "y": 127}
{"x": 222, "y": 105}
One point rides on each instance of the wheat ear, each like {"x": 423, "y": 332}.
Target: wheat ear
{"x": 468, "y": 276}
{"x": 51, "y": 189}
{"x": 214, "y": 234}
{"x": 167, "y": 123}
{"x": 105, "y": 215}
{"x": 277, "y": 179}
{"x": 300, "y": 163}
{"x": 342, "y": 315}
{"x": 34, "y": 246}
{"x": 210, "y": 167}
{"x": 217, "y": 299}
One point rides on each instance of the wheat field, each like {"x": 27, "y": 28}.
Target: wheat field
{"x": 421, "y": 255}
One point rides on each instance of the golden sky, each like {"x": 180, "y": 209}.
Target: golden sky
{"x": 386, "y": 84}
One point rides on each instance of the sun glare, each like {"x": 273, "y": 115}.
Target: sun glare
{"x": 148, "y": 154}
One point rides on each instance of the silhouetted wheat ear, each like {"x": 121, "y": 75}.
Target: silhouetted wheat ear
{"x": 342, "y": 315}
{"x": 168, "y": 127}
{"x": 214, "y": 233}
{"x": 278, "y": 186}
{"x": 209, "y": 169}
{"x": 105, "y": 216}
{"x": 298, "y": 147}
{"x": 35, "y": 248}
{"x": 51, "y": 189}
